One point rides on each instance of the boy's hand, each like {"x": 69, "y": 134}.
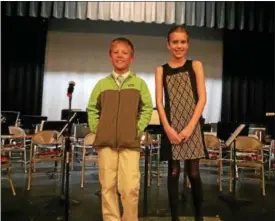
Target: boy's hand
{"x": 172, "y": 135}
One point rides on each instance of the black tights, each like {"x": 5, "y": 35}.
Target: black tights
{"x": 192, "y": 169}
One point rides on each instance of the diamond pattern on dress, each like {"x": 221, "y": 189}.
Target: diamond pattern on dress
{"x": 182, "y": 106}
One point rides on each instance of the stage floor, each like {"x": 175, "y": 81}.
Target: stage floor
{"x": 42, "y": 202}
{"x": 181, "y": 219}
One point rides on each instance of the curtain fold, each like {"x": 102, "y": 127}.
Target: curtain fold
{"x": 230, "y": 15}
{"x": 22, "y": 63}
{"x": 58, "y": 11}
{"x": 220, "y": 11}
{"x": 248, "y": 76}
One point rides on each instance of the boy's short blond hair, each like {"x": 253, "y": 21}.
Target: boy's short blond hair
{"x": 122, "y": 40}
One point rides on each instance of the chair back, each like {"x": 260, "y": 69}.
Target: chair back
{"x": 248, "y": 144}
{"x": 17, "y": 131}
{"x": 47, "y": 137}
{"x": 212, "y": 142}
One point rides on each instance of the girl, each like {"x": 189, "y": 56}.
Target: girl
{"x": 183, "y": 84}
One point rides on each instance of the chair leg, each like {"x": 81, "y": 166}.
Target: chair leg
{"x": 83, "y": 167}
{"x": 11, "y": 183}
{"x": 158, "y": 167}
{"x": 30, "y": 175}
{"x": 220, "y": 175}
{"x": 72, "y": 160}
{"x": 33, "y": 168}
{"x": 263, "y": 181}
{"x": 150, "y": 168}
{"x": 230, "y": 176}
{"x": 30, "y": 169}
{"x": 25, "y": 159}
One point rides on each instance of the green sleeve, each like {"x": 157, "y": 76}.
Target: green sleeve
{"x": 94, "y": 108}
{"x": 146, "y": 108}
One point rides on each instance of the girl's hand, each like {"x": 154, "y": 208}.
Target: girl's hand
{"x": 172, "y": 135}
{"x": 185, "y": 134}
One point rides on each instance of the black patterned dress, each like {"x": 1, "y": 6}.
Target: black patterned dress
{"x": 180, "y": 101}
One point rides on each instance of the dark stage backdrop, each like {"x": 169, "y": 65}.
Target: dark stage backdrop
{"x": 248, "y": 76}
{"x": 22, "y": 63}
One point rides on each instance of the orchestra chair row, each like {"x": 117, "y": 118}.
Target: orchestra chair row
{"x": 145, "y": 140}
{"x": 249, "y": 154}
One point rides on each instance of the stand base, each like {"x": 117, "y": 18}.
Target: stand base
{"x": 233, "y": 200}
{"x": 98, "y": 193}
{"x": 62, "y": 201}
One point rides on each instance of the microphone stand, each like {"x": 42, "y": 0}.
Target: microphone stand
{"x": 63, "y": 198}
{"x": 66, "y": 162}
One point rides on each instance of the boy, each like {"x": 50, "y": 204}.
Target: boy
{"x": 119, "y": 109}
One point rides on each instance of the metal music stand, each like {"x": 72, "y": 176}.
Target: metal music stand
{"x": 232, "y": 198}
{"x": 270, "y": 118}
{"x": 30, "y": 122}
{"x": 225, "y": 129}
{"x": 11, "y": 117}
{"x": 80, "y": 118}
{"x": 53, "y": 125}
{"x": 5, "y": 129}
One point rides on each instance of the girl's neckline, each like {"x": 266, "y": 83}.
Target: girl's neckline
{"x": 178, "y": 66}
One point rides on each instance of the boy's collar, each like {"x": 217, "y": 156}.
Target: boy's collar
{"x": 124, "y": 74}
{"x": 131, "y": 74}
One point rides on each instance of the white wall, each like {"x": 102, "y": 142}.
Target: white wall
{"x": 78, "y": 50}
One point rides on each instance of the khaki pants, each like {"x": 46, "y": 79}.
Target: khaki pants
{"x": 119, "y": 172}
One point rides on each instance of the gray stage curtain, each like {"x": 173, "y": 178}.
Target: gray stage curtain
{"x": 252, "y": 16}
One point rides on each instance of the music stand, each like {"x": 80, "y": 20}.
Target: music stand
{"x": 82, "y": 117}
{"x": 29, "y": 122}
{"x": 232, "y": 198}
{"x": 5, "y": 129}
{"x": 225, "y": 129}
{"x": 66, "y": 125}
{"x": 11, "y": 117}
{"x": 53, "y": 125}
{"x": 270, "y": 119}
